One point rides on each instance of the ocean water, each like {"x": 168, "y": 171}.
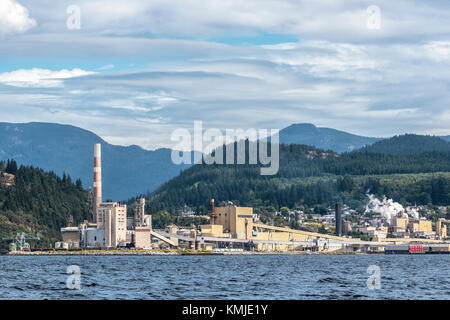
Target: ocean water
{"x": 226, "y": 277}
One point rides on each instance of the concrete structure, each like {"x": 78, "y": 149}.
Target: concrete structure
{"x": 141, "y": 230}
{"x": 234, "y": 227}
{"x": 399, "y": 224}
{"x": 139, "y": 212}
{"x": 142, "y": 238}
{"x": 71, "y": 234}
{"x": 112, "y": 218}
{"x": 130, "y": 223}
{"x": 237, "y": 221}
{"x": 375, "y": 232}
{"x": 86, "y": 235}
{"x": 346, "y": 227}
{"x": 234, "y": 224}
{"x": 413, "y": 226}
{"x": 214, "y": 230}
{"x": 94, "y": 238}
{"x": 441, "y": 228}
{"x": 425, "y": 226}
{"x": 112, "y": 228}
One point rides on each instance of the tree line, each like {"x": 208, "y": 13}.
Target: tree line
{"x": 41, "y": 201}
{"x": 309, "y": 176}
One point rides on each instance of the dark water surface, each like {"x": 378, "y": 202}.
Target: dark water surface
{"x": 226, "y": 277}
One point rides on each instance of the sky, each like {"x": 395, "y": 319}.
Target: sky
{"x": 134, "y": 71}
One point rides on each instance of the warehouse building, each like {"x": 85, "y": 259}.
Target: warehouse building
{"x": 238, "y": 223}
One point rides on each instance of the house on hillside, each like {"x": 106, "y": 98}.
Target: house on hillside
{"x": 6, "y": 179}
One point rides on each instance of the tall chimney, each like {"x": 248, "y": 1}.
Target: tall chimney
{"x": 212, "y": 212}
{"x": 97, "y": 198}
{"x": 338, "y": 220}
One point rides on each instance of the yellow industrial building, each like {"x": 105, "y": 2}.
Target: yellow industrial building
{"x": 237, "y": 223}
{"x": 411, "y": 225}
{"x": 230, "y": 222}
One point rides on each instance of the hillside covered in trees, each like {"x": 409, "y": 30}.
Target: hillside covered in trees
{"x": 311, "y": 177}
{"x": 323, "y": 138}
{"x": 40, "y": 203}
{"x": 408, "y": 144}
{"x": 64, "y": 148}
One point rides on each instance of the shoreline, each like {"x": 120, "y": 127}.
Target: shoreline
{"x": 167, "y": 253}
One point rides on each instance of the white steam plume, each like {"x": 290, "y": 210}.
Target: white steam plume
{"x": 388, "y": 208}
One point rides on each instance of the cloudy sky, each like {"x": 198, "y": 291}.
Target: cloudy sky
{"x": 137, "y": 70}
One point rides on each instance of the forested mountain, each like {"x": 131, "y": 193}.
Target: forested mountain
{"x": 408, "y": 144}
{"x": 310, "y": 176}
{"x": 40, "y": 202}
{"x": 323, "y": 138}
{"x": 341, "y": 141}
{"x": 126, "y": 171}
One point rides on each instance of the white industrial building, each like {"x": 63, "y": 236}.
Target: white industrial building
{"x": 111, "y": 227}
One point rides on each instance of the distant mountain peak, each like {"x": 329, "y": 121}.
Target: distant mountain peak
{"x": 303, "y": 125}
{"x": 323, "y": 138}
{"x": 409, "y": 143}
{"x": 127, "y": 170}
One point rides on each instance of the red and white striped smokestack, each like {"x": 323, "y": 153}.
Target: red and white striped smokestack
{"x": 97, "y": 197}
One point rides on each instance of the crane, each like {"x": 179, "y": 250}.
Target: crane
{"x": 19, "y": 242}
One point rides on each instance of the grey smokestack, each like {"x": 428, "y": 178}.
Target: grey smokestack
{"x": 338, "y": 220}
{"x": 212, "y": 211}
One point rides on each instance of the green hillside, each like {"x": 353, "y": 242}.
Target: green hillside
{"x": 408, "y": 144}
{"x": 65, "y": 148}
{"x": 40, "y": 202}
{"x": 324, "y": 138}
{"x": 310, "y": 177}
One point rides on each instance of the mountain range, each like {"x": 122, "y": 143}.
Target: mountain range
{"x": 308, "y": 176}
{"x": 128, "y": 171}
{"x": 408, "y": 144}
{"x": 328, "y": 138}
{"x": 324, "y": 138}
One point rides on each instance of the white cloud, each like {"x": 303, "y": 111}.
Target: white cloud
{"x": 439, "y": 50}
{"x": 14, "y": 18}
{"x": 339, "y": 74}
{"x": 106, "y": 67}
{"x": 338, "y": 20}
{"x": 41, "y": 78}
